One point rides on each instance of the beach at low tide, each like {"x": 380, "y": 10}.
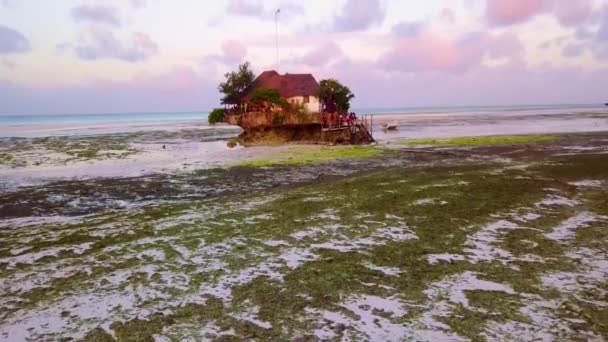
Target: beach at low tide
{"x": 159, "y": 230}
{"x": 178, "y": 146}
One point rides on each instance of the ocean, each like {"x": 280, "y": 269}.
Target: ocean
{"x": 22, "y": 120}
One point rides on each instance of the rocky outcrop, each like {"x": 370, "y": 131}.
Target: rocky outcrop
{"x": 278, "y": 128}
{"x": 257, "y": 120}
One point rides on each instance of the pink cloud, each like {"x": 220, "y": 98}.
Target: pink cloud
{"x": 97, "y": 13}
{"x": 184, "y": 89}
{"x": 321, "y": 55}
{"x": 233, "y": 52}
{"x": 503, "y": 85}
{"x": 424, "y": 53}
{"x": 508, "y": 12}
{"x": 447, "y": 15}
{"x": 429, "y": 52}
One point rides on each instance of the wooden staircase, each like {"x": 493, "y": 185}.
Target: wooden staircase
{"x": 357, "y": 132}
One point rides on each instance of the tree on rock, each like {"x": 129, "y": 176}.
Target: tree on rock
{"x": 334, "y": 96}
{"x": 236, "y": 83}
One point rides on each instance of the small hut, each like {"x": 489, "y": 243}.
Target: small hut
{"x": 298, "y": 115}
{"x": 296, "y": 89}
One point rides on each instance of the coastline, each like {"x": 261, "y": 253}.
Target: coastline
{"x": 191, "y": 145}
{"x": 585, "y": 120}
{"x": 444, "y": 232}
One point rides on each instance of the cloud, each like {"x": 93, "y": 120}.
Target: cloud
{"x": 321, "y": 55}
{"x": 100, "y": 14}
{"x": 582, "y": 33}
{"x": 408, "y": 29}
{"x": 245, "y": 7}
{"x": 599, "y": 45}
{"x": 102, "y": 44}
{"x": 8, "y": 3}
{"x": 573, "y": 50}
{"x": 602, "y": 33}
{"x": 138, "y": 3}
{"x": 178, "y": 89}
{"x": 430, "y": 52}
{"x": 447, "y": 15}
{"x": 357, "y": 15}
{"x": 184, "y": 89}
{"x": 12, "y": 41}
{"x": 233, "y": 53}
{"x": 509, "y": 12}
{"x": 587, "y": 39}
{"x": 255, "y": 8}
{"x": 572, "y": 13}
{"x": 8, "y": 64}
{"x": 503, "y": 45}
{"x": 506, "y": 84}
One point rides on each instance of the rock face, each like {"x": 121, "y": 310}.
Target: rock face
{"x": 278, "y": 128}
{"x": 257, "y": 120}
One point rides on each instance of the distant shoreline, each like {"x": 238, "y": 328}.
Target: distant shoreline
{"x": 411, "y": 126}
{"x": 101, "y": 118}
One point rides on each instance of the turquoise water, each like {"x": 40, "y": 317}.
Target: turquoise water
{"x": 18, "y": 120}
{"x": 15, "y": 120}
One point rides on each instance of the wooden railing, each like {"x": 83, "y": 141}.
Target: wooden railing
{"x": 354, "y": 124}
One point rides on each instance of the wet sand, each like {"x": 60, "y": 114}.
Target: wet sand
{"x": 187, "y": 151}
{"x": 497, "y": 242}
{"x": 111, "y": 236}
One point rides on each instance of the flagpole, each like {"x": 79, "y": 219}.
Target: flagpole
{"x": 276, "y": 31}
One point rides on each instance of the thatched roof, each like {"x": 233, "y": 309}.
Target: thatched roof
{"x": 287, "y": 85}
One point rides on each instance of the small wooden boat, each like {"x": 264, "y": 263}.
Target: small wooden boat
{"x": 606, "y": 104}
{"x": 391, "y": 126}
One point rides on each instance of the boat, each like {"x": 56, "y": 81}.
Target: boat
{"x": 606, "y": 104}
{"x": 391, "y": 126}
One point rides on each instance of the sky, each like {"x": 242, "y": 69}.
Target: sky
{"x": 125, "y": 56}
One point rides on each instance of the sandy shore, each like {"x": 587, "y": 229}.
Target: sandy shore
{"x": 464, "y": 125}
{"x": 410, "y": 125}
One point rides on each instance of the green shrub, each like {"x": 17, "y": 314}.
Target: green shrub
{"x": 266, "y": 95}
{"x": 278, "y": 120}
{"x": 262, "y": 95}
{"x": 216, "y": 115}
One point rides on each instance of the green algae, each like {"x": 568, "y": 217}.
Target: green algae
{"x": 467, "y": 198}
{"x": 314, "y": 155}
{"x": 480, "y": 141}
{"x": 5, "y": 158}
{"x": 88, "y": 148}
